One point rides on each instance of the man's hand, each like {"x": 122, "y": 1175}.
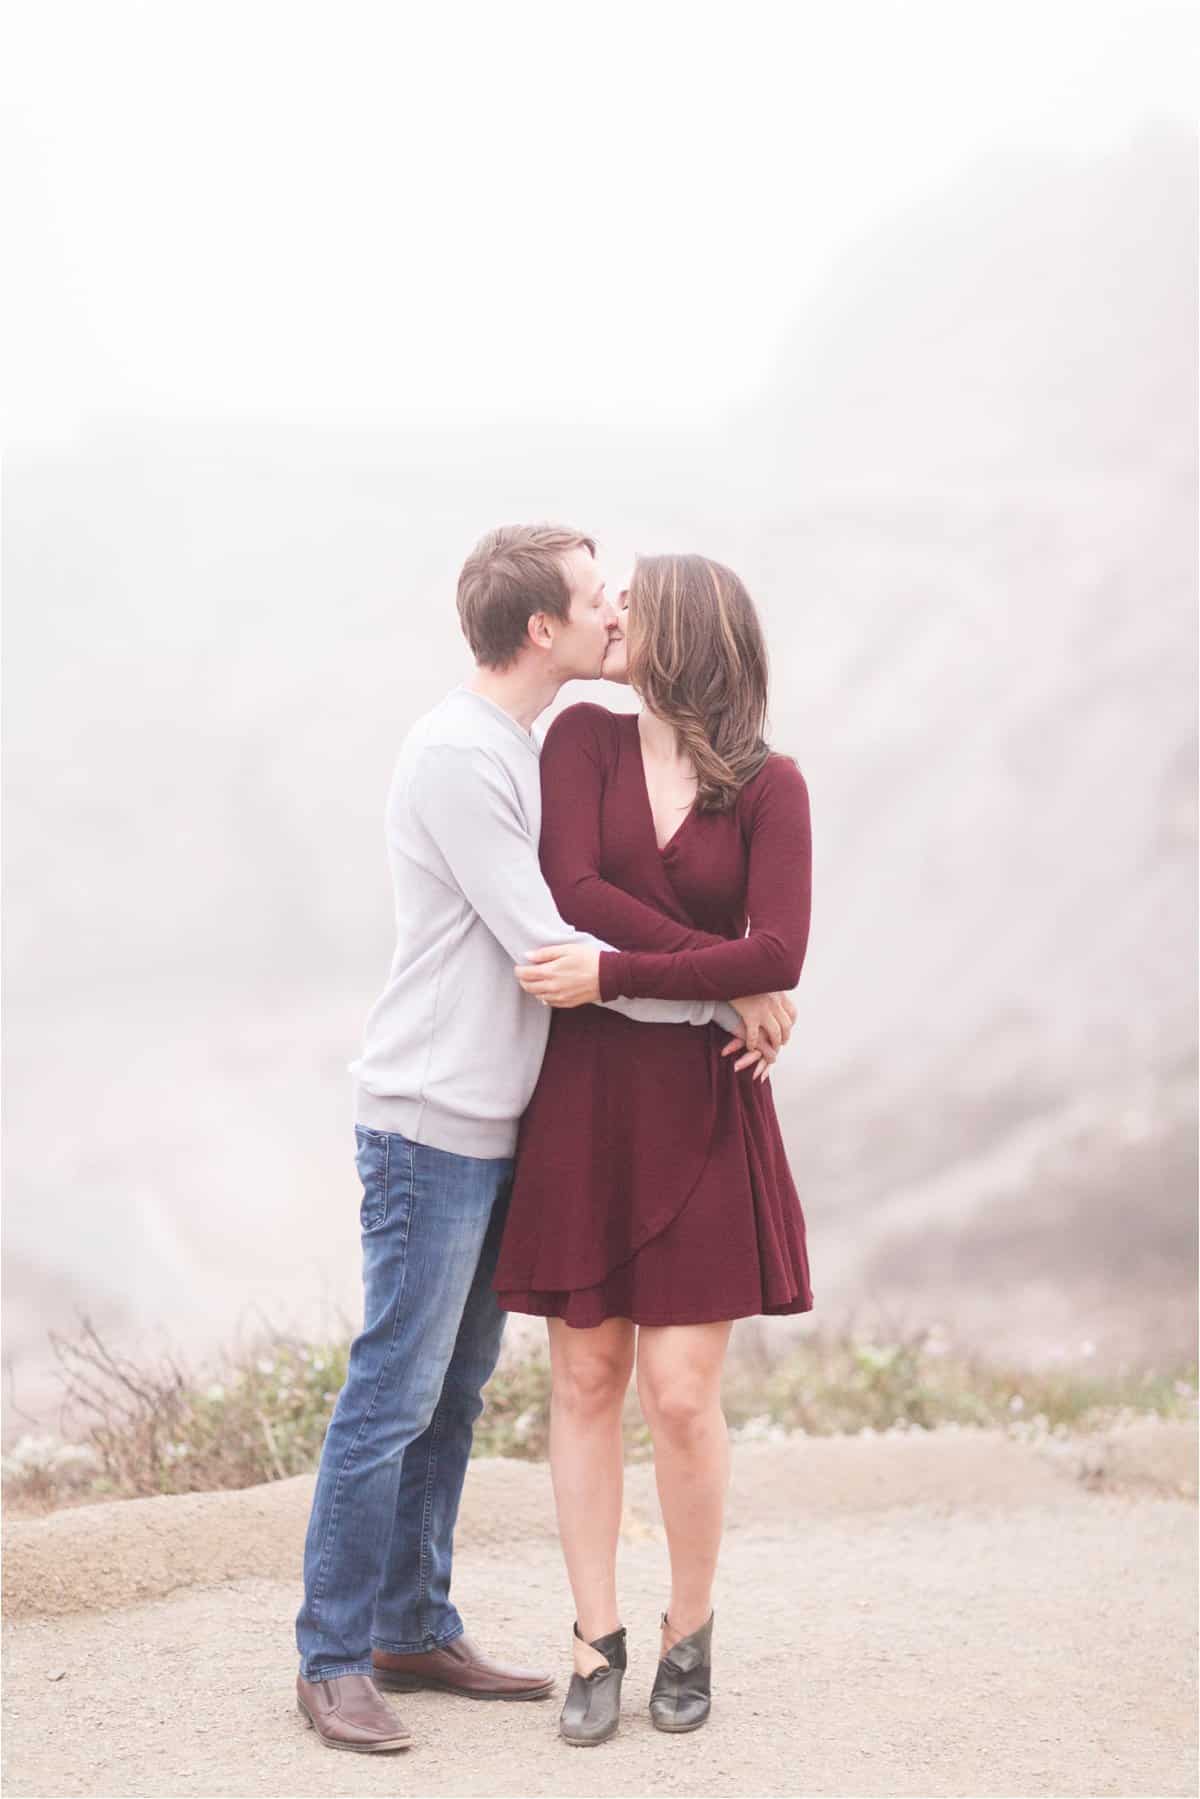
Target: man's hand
{"x": 566, "y": 974}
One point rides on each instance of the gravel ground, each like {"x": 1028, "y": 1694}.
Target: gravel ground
{"x": 956, "y": 1613}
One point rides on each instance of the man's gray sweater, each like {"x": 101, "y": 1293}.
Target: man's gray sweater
{"x": 454, "y": 1044}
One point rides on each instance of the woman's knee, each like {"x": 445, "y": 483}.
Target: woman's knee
{"x": 679, "y": 1405}
{"x": 591, "y": 1381}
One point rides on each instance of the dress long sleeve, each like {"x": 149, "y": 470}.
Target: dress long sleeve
{"x": 778, "y": 903}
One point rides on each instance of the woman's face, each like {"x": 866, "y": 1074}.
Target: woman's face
{"x": 616, "y": 658}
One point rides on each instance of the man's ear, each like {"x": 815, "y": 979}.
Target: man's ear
{"x": 539, "y": 631}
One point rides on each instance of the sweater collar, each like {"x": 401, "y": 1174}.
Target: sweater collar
{"x": 498, "y": 712}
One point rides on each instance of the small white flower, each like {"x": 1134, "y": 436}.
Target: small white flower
{"x": 49, "y": 1455}
{"x": 215, "y": 1392}
{"x": 1016, "y": 1403}
{"x": 266, "y": 1367}
{"x": 76, "y": 1456}
{"x": 756, "y": 1430}
{"x": 32, "y": 1455}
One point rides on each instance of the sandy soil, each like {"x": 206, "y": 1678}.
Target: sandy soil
{"x": 948, "y": 1614}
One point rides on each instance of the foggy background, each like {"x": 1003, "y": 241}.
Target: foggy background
{"x": 890, "y": 307}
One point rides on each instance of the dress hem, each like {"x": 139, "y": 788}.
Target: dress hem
{"x": 521, "y": 1302}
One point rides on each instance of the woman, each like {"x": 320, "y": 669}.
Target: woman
{"x": 652, "y": 1202}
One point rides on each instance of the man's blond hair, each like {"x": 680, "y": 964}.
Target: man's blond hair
{"x": 512, "y": 573}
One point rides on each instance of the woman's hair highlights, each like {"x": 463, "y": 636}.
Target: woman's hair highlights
{"x": 698, "y": 659}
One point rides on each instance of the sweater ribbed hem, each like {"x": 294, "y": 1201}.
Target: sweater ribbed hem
{"x": 487, "y": 1140}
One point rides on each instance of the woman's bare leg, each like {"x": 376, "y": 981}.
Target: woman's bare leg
{"x": 679, "y": 1385}
{"x": 591, "y": 1370}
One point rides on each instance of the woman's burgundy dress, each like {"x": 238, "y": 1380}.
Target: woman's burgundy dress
{"x": 650, "y": 1180}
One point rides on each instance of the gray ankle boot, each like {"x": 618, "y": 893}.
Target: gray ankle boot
{"x": 681, "y": 1697}
{"x": 593, "y": 1706}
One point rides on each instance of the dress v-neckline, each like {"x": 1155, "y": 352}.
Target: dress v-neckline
{"x": 662, "y": 848}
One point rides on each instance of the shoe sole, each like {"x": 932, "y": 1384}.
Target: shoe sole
{"x": 590, "y": 1742}
{"x": 385, "y": 1748}
{"x": 413, "y": 1683}
{"x": 679, "y": 1730}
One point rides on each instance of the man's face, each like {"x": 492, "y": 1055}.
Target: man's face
{"x": 581, "y": 642}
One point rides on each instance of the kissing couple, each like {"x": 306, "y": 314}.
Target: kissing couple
{"x": 563, "y": 1108}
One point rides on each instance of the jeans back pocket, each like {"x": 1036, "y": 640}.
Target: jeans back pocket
{"x": 371, "y": 1160}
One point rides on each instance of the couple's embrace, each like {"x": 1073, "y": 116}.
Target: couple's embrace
{"x": 562, "y": 1109}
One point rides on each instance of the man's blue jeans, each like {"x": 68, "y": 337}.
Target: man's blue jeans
{"x": 380, "y": 1537}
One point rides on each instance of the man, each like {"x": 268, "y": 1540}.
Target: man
{"x": 452, "y": 1053}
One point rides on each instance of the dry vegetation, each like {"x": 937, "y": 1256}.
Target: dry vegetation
{"x": 259, "y": 1414}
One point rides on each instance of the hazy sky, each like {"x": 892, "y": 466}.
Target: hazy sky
{"x": 596, "y": 211}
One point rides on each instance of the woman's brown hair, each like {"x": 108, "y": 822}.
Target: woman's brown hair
{"x": 698, "y": 659}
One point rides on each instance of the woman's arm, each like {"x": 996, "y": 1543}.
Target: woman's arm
{"x": 778, "y": 901}
{"x": 572, "y": 794}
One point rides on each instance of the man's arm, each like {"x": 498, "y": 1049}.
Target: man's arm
{"x": 467, "y": 804}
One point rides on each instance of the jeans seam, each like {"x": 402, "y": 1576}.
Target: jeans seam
{"x": 427, "y": 1509}
{"x": 387, "y": 1169}
{"x": 335, "y": 1502}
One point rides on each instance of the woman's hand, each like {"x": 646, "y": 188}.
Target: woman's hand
{"x": 771, "y": 1017}
{"x": 768, "y": 1019}
{"x": 759, "y": 1060}
{"x": 566, "y": 974}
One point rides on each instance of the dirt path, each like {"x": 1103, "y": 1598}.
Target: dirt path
{"x": 950, "y": 1614}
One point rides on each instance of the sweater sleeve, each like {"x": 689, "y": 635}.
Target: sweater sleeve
{"x": 572, "y": 802}
{"x": 778, "y": 899}
{"x": 469, "y": 807}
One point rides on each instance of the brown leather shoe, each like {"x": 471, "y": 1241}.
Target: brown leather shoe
{"x": 348, "y": 1713}
{"x": 458, "y": 1667}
